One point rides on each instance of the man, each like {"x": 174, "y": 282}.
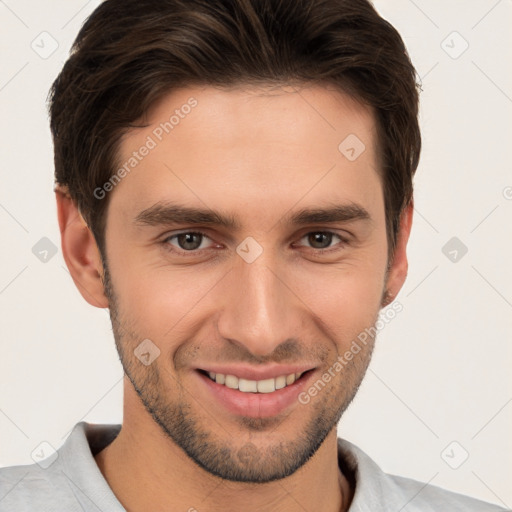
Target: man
{"x": 234, "y": 182}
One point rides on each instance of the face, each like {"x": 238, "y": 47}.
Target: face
{"x": 247, "y": 250}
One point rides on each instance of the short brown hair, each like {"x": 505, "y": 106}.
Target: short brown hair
{"x": 130, "y": 53}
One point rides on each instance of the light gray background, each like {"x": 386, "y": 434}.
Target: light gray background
{"x": 441, "y": 370}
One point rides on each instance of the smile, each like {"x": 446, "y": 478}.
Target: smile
{"x": 254, "y": 386}
{"x": 254, "y": 398}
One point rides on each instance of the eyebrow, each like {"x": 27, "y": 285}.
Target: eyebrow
{"x": 164, "y": 213}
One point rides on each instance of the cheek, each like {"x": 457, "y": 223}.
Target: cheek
{"x": 165, "y": 302}
{"x": 162, "y": 302}
{"x": 346, "y": 300}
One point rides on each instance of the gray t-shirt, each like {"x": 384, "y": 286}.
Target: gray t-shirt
{"x": 74, "y": 483}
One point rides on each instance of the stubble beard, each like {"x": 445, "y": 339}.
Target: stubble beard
{"x": 227, "y": 456}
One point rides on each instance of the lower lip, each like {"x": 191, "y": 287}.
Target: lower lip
{"x": 256, "y": 405}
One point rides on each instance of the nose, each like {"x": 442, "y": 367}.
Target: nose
{"x": 258, "y": 309}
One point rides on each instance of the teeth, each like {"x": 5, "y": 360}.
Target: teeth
{"x": 266, "y": 386}
{"x": 231, "y": 382}
{"x": 254, "y": 386}
{"x": 247, "y": 386}
{"x": 280, "y": 382}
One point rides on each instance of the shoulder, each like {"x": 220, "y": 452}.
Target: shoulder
{"x": 429, "y": 498}
{"x": 377, "y": 490}
{"x": 68, "y": 479}
{"x": 31, "y": 487}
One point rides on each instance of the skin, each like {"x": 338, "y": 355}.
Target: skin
{"x": 259, "y": 155}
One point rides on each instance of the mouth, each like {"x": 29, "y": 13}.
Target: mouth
{"x": 269, "y": 385}
{"x": 262, "y": 398}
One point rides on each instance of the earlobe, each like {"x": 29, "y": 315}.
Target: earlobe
{"x": 398, "y": 267}
{"x": 80, "y": 250}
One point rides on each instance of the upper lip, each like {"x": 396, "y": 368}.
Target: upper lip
{"x": 255, "y": 373}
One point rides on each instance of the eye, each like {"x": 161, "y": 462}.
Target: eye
{"x": 189, "y": 241}
{"x": 195, "y": 241}
{"x": 321, "y": 240}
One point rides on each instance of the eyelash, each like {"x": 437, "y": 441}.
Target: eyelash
{"x": 169, "y": 248}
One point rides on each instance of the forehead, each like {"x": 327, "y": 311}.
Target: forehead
{"x": 279, "y": 115}
{"x": 241, "y": 146}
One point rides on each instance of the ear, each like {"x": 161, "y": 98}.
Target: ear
{"x": 80, "y": 251}
{"x": 399, "y": 265}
